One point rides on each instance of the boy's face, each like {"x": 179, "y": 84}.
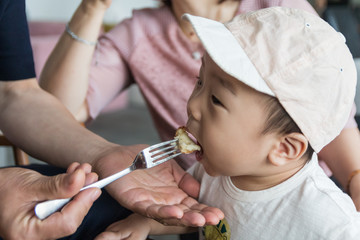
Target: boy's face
{"x": 227, "y": 117}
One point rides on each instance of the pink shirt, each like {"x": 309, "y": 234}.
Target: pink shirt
{"x": 150, "y": 49}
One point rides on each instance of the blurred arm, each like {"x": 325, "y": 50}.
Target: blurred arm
{"x": 65, "y": 74}
{"x": 342, "y": 156}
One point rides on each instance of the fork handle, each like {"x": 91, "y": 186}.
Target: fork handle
{"x": 46, "y": 208}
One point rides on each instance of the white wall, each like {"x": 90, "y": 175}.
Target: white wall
{"x": 62, "y": 10}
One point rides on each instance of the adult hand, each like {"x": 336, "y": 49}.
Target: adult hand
{"x": 21, "y": 189}
{"x": 166, "y": 192}
{"x": 98, "y": 4}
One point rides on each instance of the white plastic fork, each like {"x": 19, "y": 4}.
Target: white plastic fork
{"x": 147, "y": 158}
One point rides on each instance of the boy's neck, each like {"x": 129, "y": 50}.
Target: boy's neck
{"x": 257, "y": 183}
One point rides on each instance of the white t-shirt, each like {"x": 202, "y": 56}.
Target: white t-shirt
{"x": 306, "y": 206}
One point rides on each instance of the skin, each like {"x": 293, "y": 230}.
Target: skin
{"x": 137, "y": 227}
{"x": 345, "y": 149}
{"x": 216, "y": 118}
{"x": 24, "y": 188}
{"x": 66, "y": 75}
{"x": 232, "y": 144}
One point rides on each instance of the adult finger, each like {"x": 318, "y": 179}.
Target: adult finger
{"x": 86, "y": 167}
{"x": 90, "y": 176}
{"x": 66, "y": 221}
{"x": 60, "y": 186}
{"x": 158, "y": 210}
{"x": 211, "y": 215}
{"x": 73, "y": 166}
{"x": 185, "y": 216}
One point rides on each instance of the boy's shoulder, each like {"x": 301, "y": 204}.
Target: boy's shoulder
{"x": 325, "y": 208}
{"x": 319, "y": 192}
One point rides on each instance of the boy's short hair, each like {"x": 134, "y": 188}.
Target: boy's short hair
{"x": 292, "y": 55}
{"x": 277, "y": 120}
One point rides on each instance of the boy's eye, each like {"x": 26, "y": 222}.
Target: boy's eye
{"x": 216, "y": 101}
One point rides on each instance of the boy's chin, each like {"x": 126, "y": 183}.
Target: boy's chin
{"x": 209, "y": 170}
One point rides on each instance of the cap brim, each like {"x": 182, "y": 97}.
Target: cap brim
{"x": 227, "y": 53}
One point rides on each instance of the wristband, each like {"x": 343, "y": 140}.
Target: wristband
{"x": 77, "y": 38}
{"x": 352, "y": 174}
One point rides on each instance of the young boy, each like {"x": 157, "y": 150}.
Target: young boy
{"x": 275, "y": 86}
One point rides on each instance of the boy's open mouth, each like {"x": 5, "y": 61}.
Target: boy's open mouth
{"x": 199, "y": 154}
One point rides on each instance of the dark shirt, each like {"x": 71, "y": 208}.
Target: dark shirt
{"x": 16, "y": 58}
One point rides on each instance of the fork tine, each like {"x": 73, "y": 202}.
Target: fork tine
{"x": 166, "y": 159}
{"x": 157, "y": 157}
{"x": 154, "y": 152}
{"x": 161, "y": 144}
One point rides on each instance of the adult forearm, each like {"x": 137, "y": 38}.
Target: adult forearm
{"x": 65, "y": 74}
{"x": 39, "y": 124}
{"x": 342, "y": 155}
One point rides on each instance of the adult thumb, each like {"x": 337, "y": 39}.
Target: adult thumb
{"x": 61, "y": 186}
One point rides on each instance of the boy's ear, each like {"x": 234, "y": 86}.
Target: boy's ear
{"x": 289, "y": 147}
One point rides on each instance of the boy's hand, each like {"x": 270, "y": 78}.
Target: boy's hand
{"x": 134, "y": 227}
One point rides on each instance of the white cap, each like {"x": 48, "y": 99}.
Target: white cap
{"x": 292, "y": 55}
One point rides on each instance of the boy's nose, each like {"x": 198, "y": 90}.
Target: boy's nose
{"x": 193, "y": 108}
